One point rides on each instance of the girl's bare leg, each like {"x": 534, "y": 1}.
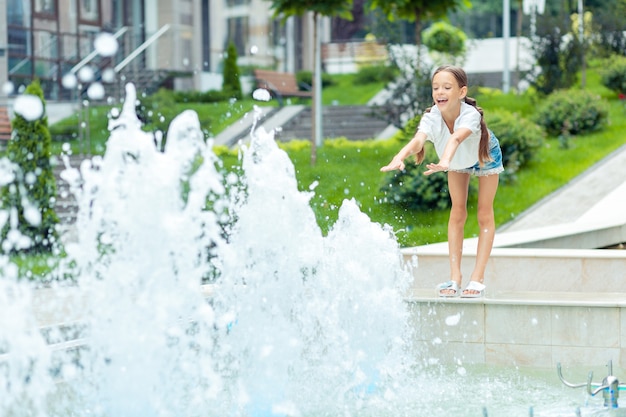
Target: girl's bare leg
{"x": 487, "y": 187}
{"x": 458, "y": 184}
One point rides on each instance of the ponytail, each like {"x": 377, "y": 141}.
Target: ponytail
{"x": 483, "y": 146}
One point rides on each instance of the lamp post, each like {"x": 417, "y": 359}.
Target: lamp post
{"x": 581, "y": 34}
{"x": 506, "y": 35}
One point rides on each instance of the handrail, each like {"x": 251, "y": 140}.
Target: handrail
{"x": 94, "y": 53}
{"x": 24, "y": 61}
{"x": 141, "y": 48}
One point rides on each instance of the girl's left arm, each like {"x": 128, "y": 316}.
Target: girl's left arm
{"x": 453, "y": 143}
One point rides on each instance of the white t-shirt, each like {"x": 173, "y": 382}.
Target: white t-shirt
{"x": 433, "y": 125}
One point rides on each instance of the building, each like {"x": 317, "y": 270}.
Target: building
{"x": 177, "y": 43}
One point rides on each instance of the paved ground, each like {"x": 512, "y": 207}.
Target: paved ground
{"x": 597, "y": 194}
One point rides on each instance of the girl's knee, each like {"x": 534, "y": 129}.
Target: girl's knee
{"x": 485, "y": 218}
{"x": 458, "y": 215}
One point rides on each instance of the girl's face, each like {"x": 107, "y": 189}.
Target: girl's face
{"x": 446, "y": 91}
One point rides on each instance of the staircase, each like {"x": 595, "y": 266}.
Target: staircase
{"x": 5, "y": 127}
{"x": 351, "y": 122}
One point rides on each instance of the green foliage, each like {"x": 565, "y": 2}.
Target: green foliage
{"x": 338, "y": 8}
{"x": 519, "y": 138}
{"x": 375, "y": 73}
{"x": 572, "y": 112}
{"x": 209, "y": 96}
{"x": 413, "y": 10}
{"x": 232, "y": 84}
{"x": 614, "y": 74}
{"x": 34, "y": 184}
{"x": 445, "y": 38}
{"x": 558, "y": 60}
{"x": 411, "y": 189}
{"x": 305, "y": 80}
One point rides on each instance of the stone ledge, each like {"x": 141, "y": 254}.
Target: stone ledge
{"x": 536, "y": 298}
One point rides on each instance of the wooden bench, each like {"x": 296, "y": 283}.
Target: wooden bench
{"x": 5, "y": 126}
{"x": 280, "y": 84}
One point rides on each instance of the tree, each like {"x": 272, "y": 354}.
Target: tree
{"x": 418, "y": 11}
{"x": 557, "y": 55}
{"x": 232, "y": 84}
{"x": 32, "y": 192}
{"x": 445, "y": 41}
{"x": 330, "y": 8}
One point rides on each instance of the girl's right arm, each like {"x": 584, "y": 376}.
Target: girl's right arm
{"x": 414, "y": 146}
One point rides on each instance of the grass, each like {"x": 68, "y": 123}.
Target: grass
{"x": 214, "y": 118}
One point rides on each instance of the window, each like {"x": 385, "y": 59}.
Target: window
{"x": 233, "y": 3}
{"x": 45, "y": 7}
{"x": 89, "y": 10}
{"x": 238, "y": 33}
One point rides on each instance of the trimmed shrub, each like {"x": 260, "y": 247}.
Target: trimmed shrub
{"x": 411, "y": 189}
{"x": 33, "y": 189}
{"x": 571, "y": 112}
{"x": 614, "y": 74}
{"x": 305, "y": 80}
{"x": 375, "y": 73}
{"x": 444, "y": 38}
{"x": 232, "y": 84}
{"x": 519, "y": 137}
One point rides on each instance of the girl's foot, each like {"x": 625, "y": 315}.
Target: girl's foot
{"x": 475, "y": 289}
{"x": 448, "y": 289}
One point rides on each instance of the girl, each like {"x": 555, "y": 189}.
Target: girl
{"x": 465, "y": 147}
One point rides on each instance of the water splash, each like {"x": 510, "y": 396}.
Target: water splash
{"x": 296, "y": 323}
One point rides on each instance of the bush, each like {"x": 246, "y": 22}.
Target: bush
{"x": 519, "y": 137}
{"x": 33, "y": 184}
{"x": 210, "y": 96}
{"x": 375, "y": 73}
{"x": 232, "y": 84}
{"x": 151, "y": 109}
{"x": 571, "y": 112}
{"x": 445, "y": 38}
{"x": 614, "y": 74}
{"x": 410, "y": 188}
{"x": 305, "y": 79}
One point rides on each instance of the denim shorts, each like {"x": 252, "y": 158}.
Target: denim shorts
{"x": 492, "y": 167}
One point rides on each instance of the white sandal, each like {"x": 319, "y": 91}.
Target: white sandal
{"x": 474, "y": 286}
{"x": 448, "y": 285}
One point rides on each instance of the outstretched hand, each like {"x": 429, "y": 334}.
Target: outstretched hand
{"x": 439, "y": 167}
{"x": 396, "y": 163}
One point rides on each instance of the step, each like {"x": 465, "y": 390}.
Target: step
{"x": 526, "y": 269}
{"x": 521, "y": 328}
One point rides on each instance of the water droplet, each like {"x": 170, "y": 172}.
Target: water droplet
{"x": 86, "y": 74}
{"x": 261, "y": 94}
{"x": 96, "y": 91}
{"x": 69, "y": 81}
{"x": 108, "y": 75}
{"x": 453, "y": 320}
{"x": 106, "y": 44}
{"x": 29, "y": 107}
{"x": 8, "y": 88}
